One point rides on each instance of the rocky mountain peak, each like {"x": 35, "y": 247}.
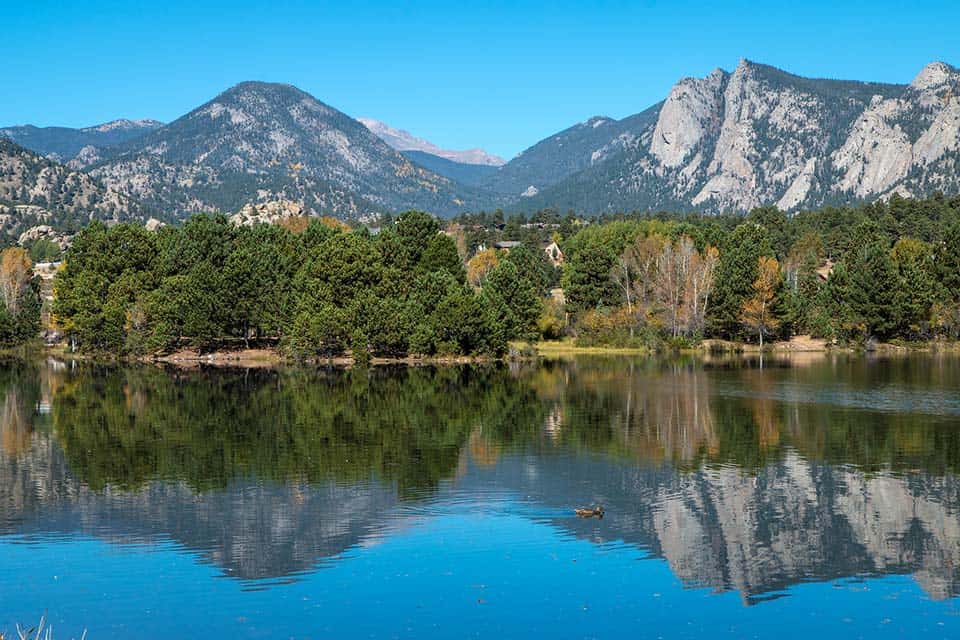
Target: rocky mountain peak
{"x": 758, "y": 135}
{"x": 261, "y": 142}
{"x": 598, "y": 121}
{"x": 688, "y": 114}
{"x": 934, "y": 75}
{"x": 744, "y": 66}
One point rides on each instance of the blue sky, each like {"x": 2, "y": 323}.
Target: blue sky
{"x": 501, "y": 75}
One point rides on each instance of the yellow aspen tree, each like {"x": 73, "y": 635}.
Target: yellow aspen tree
{"x": 480, "y": 265}
{"x": 16, "y": 270}
{"x": 757, "y": 311}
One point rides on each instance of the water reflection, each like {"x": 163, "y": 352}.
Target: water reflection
{"x": 740, "y": 478}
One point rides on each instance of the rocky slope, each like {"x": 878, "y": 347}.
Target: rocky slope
{"x": 37, "y": 191}
{"x": 763, "y": 136}
{"x": 262, "y": 142}
{"x": 77, "y": 147}
{"x": 271, "y": 212}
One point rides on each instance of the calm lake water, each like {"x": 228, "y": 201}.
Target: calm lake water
{"x": 813, "y": 497}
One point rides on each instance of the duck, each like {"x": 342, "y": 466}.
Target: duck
{"x": 591, "y": 512}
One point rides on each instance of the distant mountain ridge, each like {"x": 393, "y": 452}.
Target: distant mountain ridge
{"x": 473, "y": 175}
{"x": 65, "y": 144}
{"x": 405, "y": 141}
{"x": 562, "y": 155}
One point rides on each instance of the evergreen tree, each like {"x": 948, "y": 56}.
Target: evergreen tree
{"x": 873, "y": 281}
{"x": 917, "y": 288}
{"x": 441, "y": 253}
{"x": 513, "y": 300}
{"x": 947, "y": 259}
{"x": 586, "y": 276}
{"x": 735, "y": 276}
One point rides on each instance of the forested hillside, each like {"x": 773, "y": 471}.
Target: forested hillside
{"x": 37, "y": 191}
{"x": 262, "y": 141}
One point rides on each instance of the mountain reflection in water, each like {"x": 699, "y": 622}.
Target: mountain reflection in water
{"x": 740, "y": 478}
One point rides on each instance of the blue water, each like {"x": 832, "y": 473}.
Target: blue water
{"x": 794, "y": 502}
{"x": 480, "y": 575}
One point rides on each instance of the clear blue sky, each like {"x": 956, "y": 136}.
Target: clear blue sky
{"x": 501, "y": 75}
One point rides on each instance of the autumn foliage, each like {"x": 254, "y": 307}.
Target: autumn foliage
{"x": 758, "y": 310}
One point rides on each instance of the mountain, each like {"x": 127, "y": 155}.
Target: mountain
{"x": 758, "y": 135}
{"x": 562, "y": 155}
{"x": 405, "y": 141}
{"x": 262, "y": 142}
{"x": 35, "y": 190}
{"x": 727, "y": 141}
{"x": 65, "y": 144}
{"x": 474, "y": 175}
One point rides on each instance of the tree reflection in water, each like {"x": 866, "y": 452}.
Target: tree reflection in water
{"x": 740, "y": 478}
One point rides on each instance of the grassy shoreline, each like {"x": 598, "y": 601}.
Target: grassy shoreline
{"x": 800, "y": 344}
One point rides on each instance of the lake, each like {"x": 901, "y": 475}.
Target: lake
{"x": 797, "y": 497}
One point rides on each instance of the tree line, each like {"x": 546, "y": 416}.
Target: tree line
{"x": 316, "y": 288}
{"x": 881, "y": 271}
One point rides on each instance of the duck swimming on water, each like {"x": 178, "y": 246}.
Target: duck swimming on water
{"x": 591, "y": 512}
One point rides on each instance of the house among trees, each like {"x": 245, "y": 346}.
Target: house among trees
{"x": 824, "y": 271}
{"x": 554, "y": 254}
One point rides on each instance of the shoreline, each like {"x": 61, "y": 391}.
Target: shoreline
{"x": 268, "y": 358}
{"x": 713, "y": 346}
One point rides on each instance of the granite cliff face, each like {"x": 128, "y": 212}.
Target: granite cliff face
{"x": 758, "y": 135}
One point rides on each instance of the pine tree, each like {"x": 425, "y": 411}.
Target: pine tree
{"x": 873, "y": 282}
{"x": 735, "y": 276}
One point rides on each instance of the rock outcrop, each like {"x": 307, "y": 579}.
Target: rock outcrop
{"x": 267, "y": 212}
{"x": 758, "y": 135}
